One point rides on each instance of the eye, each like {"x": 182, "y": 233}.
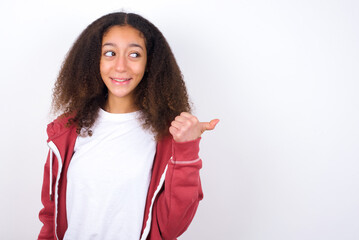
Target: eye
{"x": 109, "y": 54}
{"x": 134, "y": 55}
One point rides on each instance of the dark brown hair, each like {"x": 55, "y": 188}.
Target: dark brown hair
{"x": 79, "y": 90}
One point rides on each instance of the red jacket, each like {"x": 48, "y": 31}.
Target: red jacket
{"x": 172, "y": 198}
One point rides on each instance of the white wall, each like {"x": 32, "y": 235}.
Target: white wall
{"x": 281, "y": 75}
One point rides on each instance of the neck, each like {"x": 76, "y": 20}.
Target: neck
{"x": 114, "y": 105}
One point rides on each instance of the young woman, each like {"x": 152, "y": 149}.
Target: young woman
{"x": 123, "y": 160}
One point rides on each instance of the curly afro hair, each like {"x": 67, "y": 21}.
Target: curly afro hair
{"x": 79, "y": 91}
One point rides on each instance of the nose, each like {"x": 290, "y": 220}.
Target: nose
{"x": 121, "y": 64}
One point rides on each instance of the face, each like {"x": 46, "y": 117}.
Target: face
{"x": 123, "y": 62}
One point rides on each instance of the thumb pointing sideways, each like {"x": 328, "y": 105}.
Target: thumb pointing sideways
{"x": 205, "y": 126}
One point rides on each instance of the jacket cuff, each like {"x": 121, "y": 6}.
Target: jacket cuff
{"x": 185, "y": 151}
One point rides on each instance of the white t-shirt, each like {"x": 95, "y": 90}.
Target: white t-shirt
{"x": 108, "y": 179}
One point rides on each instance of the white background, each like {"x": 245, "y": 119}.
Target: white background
{"x": 281, "y": 75}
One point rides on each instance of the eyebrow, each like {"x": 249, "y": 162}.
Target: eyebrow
{"x": 131, "y": 45}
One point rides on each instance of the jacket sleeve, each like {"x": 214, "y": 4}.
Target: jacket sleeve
{"x": 46, "y": 214}
{"x": 178, "y": 202}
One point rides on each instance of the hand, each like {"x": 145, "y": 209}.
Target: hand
{"x": 186, "y": 127}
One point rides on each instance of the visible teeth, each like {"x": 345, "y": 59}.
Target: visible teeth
{"x": 120, "y": 80}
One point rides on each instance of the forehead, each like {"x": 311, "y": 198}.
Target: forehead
{"x": 123, "y": 34}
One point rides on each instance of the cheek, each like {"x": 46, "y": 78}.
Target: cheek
{"x": 103, "y": 68}
{"x": 140, "y": 68}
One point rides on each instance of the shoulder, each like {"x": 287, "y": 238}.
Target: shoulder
{"x": 60, "y": 125}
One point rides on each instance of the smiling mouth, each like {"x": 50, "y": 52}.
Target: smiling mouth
{"x": 121, "y": 79}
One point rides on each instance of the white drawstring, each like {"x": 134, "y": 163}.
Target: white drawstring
{"x": 54, "y": 152}
{"x": 50, "y": 170}
{"x": 146, "y": 231}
